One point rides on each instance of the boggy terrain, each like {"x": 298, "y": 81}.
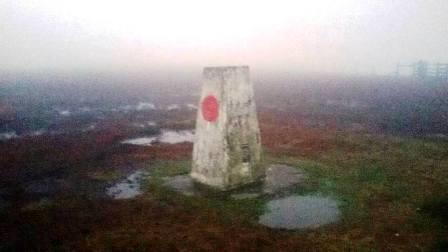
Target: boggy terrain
{"x": 390, "y": 180}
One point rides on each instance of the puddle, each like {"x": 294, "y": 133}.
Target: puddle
{"x": 145, "y": 106}
{"x": 8, "y": 135}
{"x": 281, "y": 177}
{"x": 167, "y": 136}
{"x": 191, "y": 106}
{"x": 173, "y": 107}
{"x": 39, "y": 132}
{"x": 143, "y": 125}
{"x": 4, "y": 136}
{"x": 89, "y": 128}
{"x": 129, "y": 187}
{"x": 289, "y": 212}
{"x": 141, "y": 106}
{"x": 63, "y": 111}
{"x": 300, "y": 212}
{"x": 151, "y": 123}
{"x": 173, "y": 137}
{"x": 138, "y": 125}
{"x": 143, "y": 141}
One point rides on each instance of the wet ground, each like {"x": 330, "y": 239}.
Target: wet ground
{"x": 129, "y": 187}
{"x": 70, "y": 183}
{"x": 300, "y": 212}
{"x": 182, "y": 184}
{"x": 284, "y": 209}
{"x": 166, "y": 136}
{"x": 280, "y": 178}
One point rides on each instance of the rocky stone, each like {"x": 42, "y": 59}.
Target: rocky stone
{"x": 280, "y": 177}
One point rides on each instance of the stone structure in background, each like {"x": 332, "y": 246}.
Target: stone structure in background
{"x": 227, "y": 148}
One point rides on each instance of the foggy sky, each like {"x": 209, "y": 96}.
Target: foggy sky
{"x": 348, "y": 36}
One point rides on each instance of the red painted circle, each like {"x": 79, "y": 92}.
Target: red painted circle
{"x": 209, "y": 107}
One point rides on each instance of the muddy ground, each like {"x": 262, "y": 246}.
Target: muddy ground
{"x": 391, "y": 185}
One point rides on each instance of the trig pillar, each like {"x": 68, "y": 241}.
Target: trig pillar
{"x": 227, "y": 148}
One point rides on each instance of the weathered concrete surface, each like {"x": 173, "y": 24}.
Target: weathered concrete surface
{"x": 280, "y": 177}
{"x": 227, "y": 149}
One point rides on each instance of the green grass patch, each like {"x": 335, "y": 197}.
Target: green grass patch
{"x": 246, "y": 210}
{"x": 167, "y": 168}
{"x": 381, "y": 184}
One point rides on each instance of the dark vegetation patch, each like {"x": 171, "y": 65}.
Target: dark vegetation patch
{"x": 437, "y": 208}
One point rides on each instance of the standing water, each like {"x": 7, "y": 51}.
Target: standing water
{"x": 129, "y": 187}
{"x": 166, "y": 136}
{"x": 299, "y": 212}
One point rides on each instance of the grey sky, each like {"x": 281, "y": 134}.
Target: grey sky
{"x": 346, "y": 36}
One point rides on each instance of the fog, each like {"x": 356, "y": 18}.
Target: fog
{"x": 320, "y": 36}
{"x": 121, "y": 129}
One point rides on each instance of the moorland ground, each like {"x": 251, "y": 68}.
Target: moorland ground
{"x": 377, "y": 146}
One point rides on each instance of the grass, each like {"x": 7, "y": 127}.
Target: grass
{"x": 167, "y": 168}
{"x": 247, "y": 210}
{"x": 382, "y": 184}
{"x": 391, "y": 194}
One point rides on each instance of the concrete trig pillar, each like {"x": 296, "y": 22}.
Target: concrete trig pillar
{"x": 227, "y": 148}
